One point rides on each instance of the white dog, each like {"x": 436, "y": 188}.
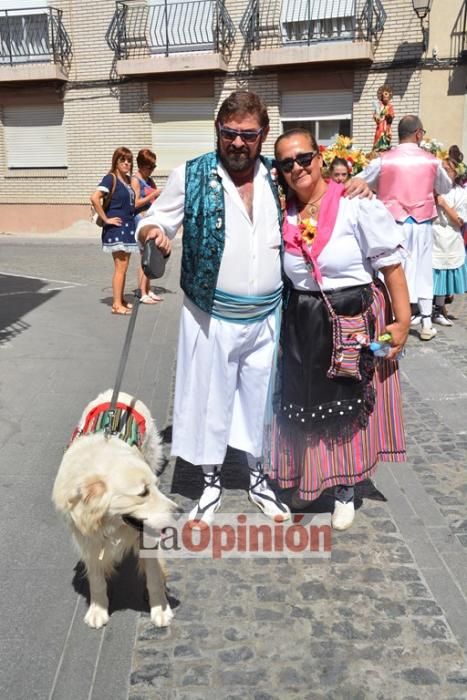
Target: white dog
{"x": 107, "y": 488}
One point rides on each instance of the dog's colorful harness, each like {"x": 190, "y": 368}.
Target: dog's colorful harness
{"x": 125, "y": 422}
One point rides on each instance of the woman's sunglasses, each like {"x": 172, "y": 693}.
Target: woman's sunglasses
{"x": 302, "y": 159}
{"x": 125, "y": 159}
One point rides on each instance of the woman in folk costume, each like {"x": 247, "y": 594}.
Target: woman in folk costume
{"x": 340, "y": 409}
{"x": 449, "y": 262}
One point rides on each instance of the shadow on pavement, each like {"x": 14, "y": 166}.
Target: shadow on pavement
{"x": 126, "y": 589}
{"x": 20, "y": 295}
{"x": 130, "y": 296}
{"x": 187, "y": 481}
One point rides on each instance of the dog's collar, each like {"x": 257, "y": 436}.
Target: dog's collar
{"x": 133, "y": 522}
{"x": 125, "y": 422}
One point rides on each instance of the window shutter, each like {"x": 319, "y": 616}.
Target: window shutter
{"x": 35, "y": 136}
{"x": 19, "y": 5}
{"x": 182, "y": 128}
{"x": 299, "y": 11}
{"x": 317, "y": 104}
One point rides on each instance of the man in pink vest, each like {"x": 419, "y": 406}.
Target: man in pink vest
{"x": 406, "y": 179}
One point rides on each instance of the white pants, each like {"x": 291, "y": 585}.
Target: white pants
{"x": 418, "y": 265}
{"x": 221, "y": 385}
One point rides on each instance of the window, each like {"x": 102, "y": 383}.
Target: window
{"x": 324, "y": 112}
{"x": 35, "y": 136}
{"x": 181, "y": 26}
{"x": 182, "y": 128}
{"x": 324, "y": 130}
{"x": 317, "y": 21}
{"x": 24, "y": 32}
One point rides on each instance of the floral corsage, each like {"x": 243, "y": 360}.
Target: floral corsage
{"x": 307, "y": 231}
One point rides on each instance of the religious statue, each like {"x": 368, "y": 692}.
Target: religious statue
{"x": 383, "y": 114}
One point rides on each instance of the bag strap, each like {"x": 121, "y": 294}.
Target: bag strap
{"x": 311, "y": 266}
{"x": 108, "y": 198}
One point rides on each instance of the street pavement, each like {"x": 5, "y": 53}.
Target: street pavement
{"x": 384, "y": 619}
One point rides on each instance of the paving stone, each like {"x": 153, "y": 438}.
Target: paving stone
{"x": 236, "y": 655}
{"x": 424, "y": 607}
{"x": 197, "y": 675}
{"x": 421, "y": 676}
{"x": 229, "y": 678}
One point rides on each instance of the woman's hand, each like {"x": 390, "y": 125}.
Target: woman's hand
{"x": 113, "y": 221}
{"x": 357, "y": 187}
{"x": 396, "y": 284}
{"x": 399, "y": 333}
{"x": 453, "y": 217}
{"x": 154, "y": 194}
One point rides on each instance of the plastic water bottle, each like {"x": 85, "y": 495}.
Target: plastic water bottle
{"x": 382, "y": 347}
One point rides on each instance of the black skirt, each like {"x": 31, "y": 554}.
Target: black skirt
{"x": 333, "y": 408}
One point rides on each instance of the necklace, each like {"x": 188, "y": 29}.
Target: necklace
{"x": 312, "y": 207}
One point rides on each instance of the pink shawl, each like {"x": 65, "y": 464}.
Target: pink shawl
{"x": 293, "y": 240}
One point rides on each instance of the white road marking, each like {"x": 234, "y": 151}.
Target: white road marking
{"x": 44, "y": 279}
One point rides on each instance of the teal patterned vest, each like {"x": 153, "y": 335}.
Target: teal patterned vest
{"x": 204, "y": 228}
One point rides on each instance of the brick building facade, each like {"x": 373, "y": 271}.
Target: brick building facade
{"x": 80, "y": 78}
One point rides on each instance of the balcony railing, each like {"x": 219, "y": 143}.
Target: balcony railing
{"x": 284, "y": 22}
{"x": 170, "y": 26}
{"x": 33, "y": 35}
{"x": 463, "y": 36}
{"x": 458, "y": 47}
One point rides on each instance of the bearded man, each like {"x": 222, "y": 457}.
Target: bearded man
{"x": 231, "y": 276}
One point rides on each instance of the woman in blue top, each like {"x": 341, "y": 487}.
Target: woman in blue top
{"x": 118, "y": 232}
{"x": 146, "y": 192}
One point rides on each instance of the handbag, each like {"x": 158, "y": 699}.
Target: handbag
{"x": 349, "y": 335}
{"x": 105, "y": 203}
{"x": 153, "y": 260}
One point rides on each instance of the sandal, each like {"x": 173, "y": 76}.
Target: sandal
{"x": 121, "y": 310}
{"x": 200, "y": 516}
{"x": 154, "y": 297}
{"x": 147, "y": 299}
{"x": 264, "y": 498}
{"x": 127, "y": 305}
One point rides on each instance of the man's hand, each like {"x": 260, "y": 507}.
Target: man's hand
{"x": 357, "y": 187}
{"x": 153, "y": 233}
{"x": 163, "y": 243}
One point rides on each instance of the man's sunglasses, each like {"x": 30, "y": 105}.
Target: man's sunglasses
{"x": 247, "y": 135}
{"x": 302, "y": 159}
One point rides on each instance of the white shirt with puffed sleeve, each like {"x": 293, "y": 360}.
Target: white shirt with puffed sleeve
{"x": 365, "y": 239}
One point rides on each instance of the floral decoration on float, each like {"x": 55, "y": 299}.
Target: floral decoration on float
{"x": 343, "y": 148}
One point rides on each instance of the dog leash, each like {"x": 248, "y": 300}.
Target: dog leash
{"x": 112, "y": 425}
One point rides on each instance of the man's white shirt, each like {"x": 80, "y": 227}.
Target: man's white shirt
{"x": 250, "y": 264}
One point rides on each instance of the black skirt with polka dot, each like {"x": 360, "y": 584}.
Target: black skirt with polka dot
{"x": 308, "y": 398}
